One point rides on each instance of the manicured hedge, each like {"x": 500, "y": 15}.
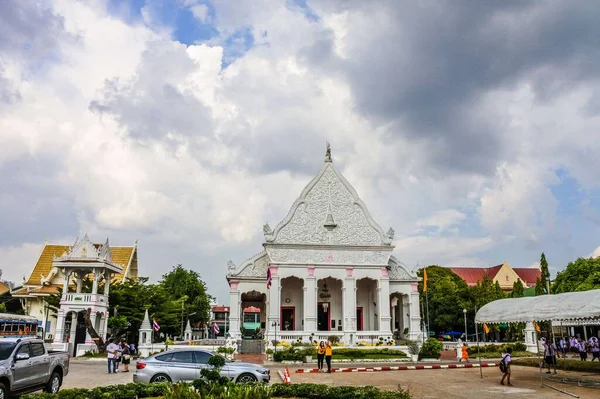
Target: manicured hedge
{"x": 217, "y": 391}
{"x": 299, "y": 354}
{"x": 571, "y": 365}
{"x": 516, "y": 347}
{"x": 320, "y": 391}
{"x": 124, "y": 391}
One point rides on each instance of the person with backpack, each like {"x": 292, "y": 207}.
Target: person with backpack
{"x": 505, "y": 367}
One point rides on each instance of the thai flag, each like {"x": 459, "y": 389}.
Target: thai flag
{"x": 216, "y": 329}
{"x": 269, "y": 278}
{"x": 155, "y": 325}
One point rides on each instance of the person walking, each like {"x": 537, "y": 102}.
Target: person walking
{"x": 111, "y": 350}
{"x": 506, "y": 359}
{"x": 126, "y": 357}
{"x": 118, "y": 355}
{"x": 459, "y": 345}
{"x": 320, "y": 356}
{"x": 562, "y": 344}
{"x": 328, "y": 353}
{"x": 465, "y": 353}
{"x": 549, "y": 354}
{"x": 581, "y": 345}
{"x": 595, "y": 347}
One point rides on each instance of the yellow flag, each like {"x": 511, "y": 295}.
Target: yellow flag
{"x": 424, "y": 279}
{"x": 537, "y": 328}
{"x": 486, "y": 328}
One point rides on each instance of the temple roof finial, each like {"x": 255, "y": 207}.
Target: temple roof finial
{"x": 328, "y": 152}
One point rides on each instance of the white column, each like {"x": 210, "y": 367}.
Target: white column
{"x": 79, "y": 281}
{"x": 350, "y": 301}
{"x": 414, "y": 329}
{"x": 95, "y": 282}
{"x": 310, "y": 301}
{"x": 234, "y": 310}
{"x": 274, "y": 304}
{"x": 530, "y": 340}
{"x": 384, "y": 303}
{"x": 66, "y": 282}
{"x": 405, "y": 317}
{"x": 394, "y": 307}
{"x": 73, "y": 332}
{"x": 106, "y": 282}
{"x": 60, "y": 326}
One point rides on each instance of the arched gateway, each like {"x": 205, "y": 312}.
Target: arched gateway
{"x": 331, "y": 270}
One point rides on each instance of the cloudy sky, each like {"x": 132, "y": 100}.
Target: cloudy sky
{"x": 471, "y": 128}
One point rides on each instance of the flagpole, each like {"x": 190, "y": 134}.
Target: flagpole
{"x": 478, "y": 354}
{"x": 427, "y": 309}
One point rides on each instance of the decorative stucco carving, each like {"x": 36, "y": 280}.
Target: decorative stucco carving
{"x": 253, "y": 267}
{"x": 328, "y": 152}
{"x": 397, "y": 270}
{"x": 267, "y": 230}
{"x": 325, "y": 256}
{"x": 390, "y": 236}
{"x": 230, "y": 267}
{"x": 307, "y": 219}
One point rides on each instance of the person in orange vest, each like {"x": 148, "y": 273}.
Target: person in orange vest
{"x": 465, "y": 354}
{"x": 328, "y": 353}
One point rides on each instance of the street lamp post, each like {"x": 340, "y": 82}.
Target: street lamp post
{"x": 466, "y": 335}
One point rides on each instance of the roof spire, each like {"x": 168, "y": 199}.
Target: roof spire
{"x": 328, "y": 152}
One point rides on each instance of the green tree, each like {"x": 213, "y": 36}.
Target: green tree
{"x": 545, "y": 271}
{"x": 580, "y": 275}
{"x": 518, "y": 290}
{"x": 128, "y": 301}
{"x": 187, "y": 287}
{"x": 540, "y": 287}
{"x": 447, "y": 295}
{"x": 485, "y": 291}
{"x": 2, "y": 308}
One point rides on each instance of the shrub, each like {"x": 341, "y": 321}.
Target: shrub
{"x": 431, "y": 349}
{"x": 413, "y": 347}
{"x": 494, "y": 348}
{"x": 334, "y": 339}
{"x": 326, "y": 392}
{"x": 124, "y": 391}
{"x": 225, "y": 350}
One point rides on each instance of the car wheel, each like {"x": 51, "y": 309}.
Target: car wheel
{"x": 246, "y": 377}
{"x": 53, "y": 384}
{"x": 3, "y": 391}
{"x": 160, "y": 378}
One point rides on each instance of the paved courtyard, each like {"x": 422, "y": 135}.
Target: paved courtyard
{"x": 447, "y": 384}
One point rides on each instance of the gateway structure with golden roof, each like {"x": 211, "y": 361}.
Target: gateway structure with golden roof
{"x": 48, "y": 274}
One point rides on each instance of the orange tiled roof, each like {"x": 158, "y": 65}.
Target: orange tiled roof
{"x": 120, "y": 256}
{"x": 20, "y": 291}
{"x": 4, "y": 288}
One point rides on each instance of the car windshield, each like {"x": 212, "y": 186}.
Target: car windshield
{"x": 6, "y": 349}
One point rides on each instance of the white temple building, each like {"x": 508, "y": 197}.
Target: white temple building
{"x": 332, "y": 273}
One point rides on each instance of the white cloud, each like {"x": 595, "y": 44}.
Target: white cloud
{"x": 595, "y": 254}
{"x": 153, "y": 140}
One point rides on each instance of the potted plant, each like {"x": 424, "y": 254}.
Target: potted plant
{"x": 269, "y": 354}
{"x": 413, "y": 349}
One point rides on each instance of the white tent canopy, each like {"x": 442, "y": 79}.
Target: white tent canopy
{"x": 583, "y": 305}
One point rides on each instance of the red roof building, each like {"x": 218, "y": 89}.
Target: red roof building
{"x": 504, "y": 274}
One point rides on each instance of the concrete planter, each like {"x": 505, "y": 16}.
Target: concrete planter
{"x": 308, "y": 359}
{"x": 414, "y": 358}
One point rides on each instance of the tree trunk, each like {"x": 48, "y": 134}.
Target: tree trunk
{"x": 92, "y": 331}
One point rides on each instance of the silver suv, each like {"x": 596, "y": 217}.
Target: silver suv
{"x": 185, "y": 365}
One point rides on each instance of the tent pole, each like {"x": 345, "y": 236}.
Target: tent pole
{"x": 478, "y": 354}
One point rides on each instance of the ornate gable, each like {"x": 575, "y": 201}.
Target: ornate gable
{"x": 83, "y": 248}
{"x": 253, "y": 267}
{"x": 398, "y": 271}
{"x": 329, "y": 212}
